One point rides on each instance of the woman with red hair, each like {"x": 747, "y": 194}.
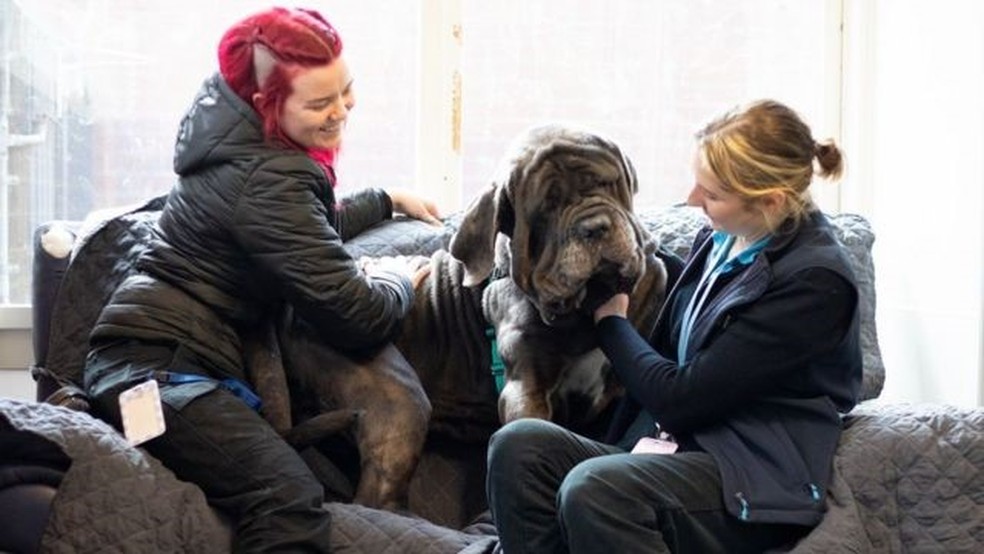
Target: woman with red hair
{"x": 251, "y": 224}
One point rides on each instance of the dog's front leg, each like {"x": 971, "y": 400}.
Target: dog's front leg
{"x": 517, "y": 401}
{"x": 516, "y": 324}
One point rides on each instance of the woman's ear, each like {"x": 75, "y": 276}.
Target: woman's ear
{"x": 257, "y": 98}
{"x": 774, "y": 204}
{"x": 774, "y": 207}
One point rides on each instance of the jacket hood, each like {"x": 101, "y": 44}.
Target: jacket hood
{"x": 218, "y": 126}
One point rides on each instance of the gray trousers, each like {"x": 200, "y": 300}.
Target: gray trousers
{"x": 553, "y": 491}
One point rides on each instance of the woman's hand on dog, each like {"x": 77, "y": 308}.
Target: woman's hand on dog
{"x": 617, "y": 305}
{"x": 417, "y": 207}
{"x": 414, "y": 268}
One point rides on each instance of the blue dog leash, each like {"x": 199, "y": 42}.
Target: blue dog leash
{"x": 235, "y": 386}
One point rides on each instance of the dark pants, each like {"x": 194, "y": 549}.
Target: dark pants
{"x": 244, "y": 467}
{"x": 551, "y": 491}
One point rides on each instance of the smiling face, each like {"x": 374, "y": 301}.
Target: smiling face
{"x": 315, "y": 113}
{"x": 727, "y": 211}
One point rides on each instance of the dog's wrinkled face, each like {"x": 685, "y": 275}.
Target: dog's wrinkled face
{"x": 565, "y": 203}
{"x": 581, "y": 239}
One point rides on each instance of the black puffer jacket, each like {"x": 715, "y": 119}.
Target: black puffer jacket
{"x": 247, "y": 227}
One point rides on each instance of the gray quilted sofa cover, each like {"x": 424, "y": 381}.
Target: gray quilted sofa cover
{"x": 907, "y": 478}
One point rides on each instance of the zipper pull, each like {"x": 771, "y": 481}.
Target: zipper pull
{"x": 814, "y": 492}
{"x": 743, "y": 514}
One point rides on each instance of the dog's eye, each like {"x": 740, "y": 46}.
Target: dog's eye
{"x": 595, "y": 228}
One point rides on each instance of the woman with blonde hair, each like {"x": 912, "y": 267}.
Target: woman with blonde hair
{"x": 725, "y": 438}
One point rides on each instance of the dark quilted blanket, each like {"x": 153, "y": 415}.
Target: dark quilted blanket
{"x": 400, "y": 236}
{"x": 113, "y": 497}
{"x": 907, "y": 478}
{"x": 360, "y": 530}
{"x": 117, "y": 498}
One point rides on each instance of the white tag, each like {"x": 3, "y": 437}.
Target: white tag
{"x": 649, "y": 445}
{"x": 143, "y": 417}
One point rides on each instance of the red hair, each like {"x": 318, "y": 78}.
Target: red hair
{"x": 295, "y": 39}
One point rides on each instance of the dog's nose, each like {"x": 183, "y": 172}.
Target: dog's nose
{"x": 593, "y": 228}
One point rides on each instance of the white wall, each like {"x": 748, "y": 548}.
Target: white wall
{"x": 916, "y": 128}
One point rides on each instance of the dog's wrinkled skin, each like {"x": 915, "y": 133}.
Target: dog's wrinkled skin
{"x": 558, "y": 223}
{"x": 556, "y": 234}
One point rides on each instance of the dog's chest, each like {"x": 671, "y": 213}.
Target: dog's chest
{"x": 585, "y": 376}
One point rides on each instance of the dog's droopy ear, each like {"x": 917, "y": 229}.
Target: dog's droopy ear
{"x": 474, "y": 242}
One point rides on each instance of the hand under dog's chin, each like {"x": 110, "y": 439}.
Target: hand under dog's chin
{"x": 599, "y": 290}
{"x": 594, "y": 293}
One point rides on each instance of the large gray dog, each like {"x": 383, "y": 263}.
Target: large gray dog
{"x": 552, "y": 236}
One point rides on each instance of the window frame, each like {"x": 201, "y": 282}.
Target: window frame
{"x": 15, "y": 316}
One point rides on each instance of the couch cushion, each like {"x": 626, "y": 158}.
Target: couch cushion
{"x": 114, "y": 497}
{"x": 400, "y": 236}
{"x": 906, "y": 478}
{"x": 675, "y": 228}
